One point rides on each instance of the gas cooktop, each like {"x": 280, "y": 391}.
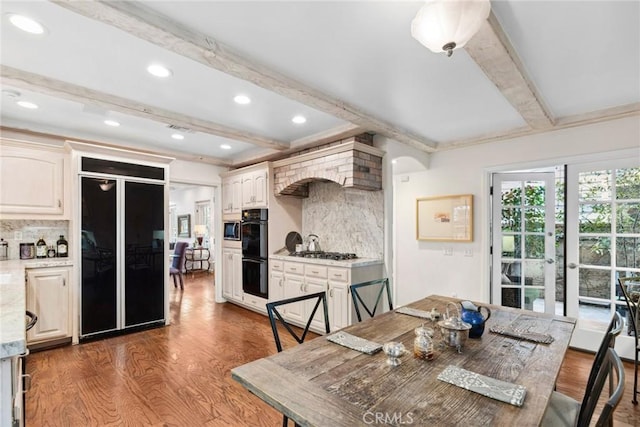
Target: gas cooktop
{"x": 337, "y": 256}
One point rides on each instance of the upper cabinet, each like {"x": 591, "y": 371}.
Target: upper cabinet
{"x": 254, "y": 189}
{"x": 231, "y": 195}
{"x": 32, "y": 181}
{"x": 245, "y": 189}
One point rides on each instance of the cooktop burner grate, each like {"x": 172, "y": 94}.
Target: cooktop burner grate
{"x": 338, "y": 256}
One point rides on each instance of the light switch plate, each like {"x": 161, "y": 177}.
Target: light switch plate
{"x": 448, "y": 251}
{"x": 468, "y": 252}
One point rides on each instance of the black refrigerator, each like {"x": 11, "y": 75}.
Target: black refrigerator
{"x": 122, "y": 245}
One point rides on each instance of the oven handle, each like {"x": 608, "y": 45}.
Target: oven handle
{"x": 257, "y": 261}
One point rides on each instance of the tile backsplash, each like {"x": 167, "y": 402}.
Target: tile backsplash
{"x": 345, "y": 219}
{"x": 31, "y": 231}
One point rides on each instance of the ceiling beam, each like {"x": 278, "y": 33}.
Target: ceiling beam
{"x": 491, "y": 49}
{"x": 146, "y": 24}
{"x": 52, "y": 87}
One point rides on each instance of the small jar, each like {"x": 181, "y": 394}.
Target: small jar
{"x": 51, "y": 252}
{"x": 423, "y": 343}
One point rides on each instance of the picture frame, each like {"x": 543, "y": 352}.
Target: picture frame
{"x": 184, "y": 225}
{"x": 445, "y": 218}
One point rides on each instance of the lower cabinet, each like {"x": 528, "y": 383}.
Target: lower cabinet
{"x": 232, "y": 274}
{"x": 289, "y": 279}
{"x": 49, "y": 297}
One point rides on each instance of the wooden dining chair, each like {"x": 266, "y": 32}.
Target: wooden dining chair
{"x": 177, "y": 264}
{"x": 632, "y": 321}
{"x": 275, "y": 316}
{"x": 563, "y": 410}
{"x": 357, "y": 294}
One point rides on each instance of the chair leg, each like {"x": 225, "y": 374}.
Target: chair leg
{"x": 175, "y": 284}
{"x": 181, "y": 281}
{"x": 635, "y": 381}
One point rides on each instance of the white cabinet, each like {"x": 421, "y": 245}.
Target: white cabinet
{"x": 276, "y": 281}
{"x": 232, "y": 195}
{"x": 32, "y": 182}
{"x": 339, "y": 298}
{"x": 255, "y": 189}
{"x": 49, "y": 297}
{"x": 232, "y": 273}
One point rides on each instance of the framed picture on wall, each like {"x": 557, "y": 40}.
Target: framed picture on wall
{"x": 184, "y": 225}
{"x": 445, "y": 218}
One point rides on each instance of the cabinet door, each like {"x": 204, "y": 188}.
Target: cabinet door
{"x": 48, "y": 296}
{"x": 313, "y": 285}
{"x": 276, "y": 286}
{"x": 227, "y": 273}
{"x": 236, "y": 194}
{"x": 237, "y": 275}
{"x": 293, "y": 287}
{"x": 260, "y": 186}
{"x": 247, "y": 191}
{"x": 31, "y": 181}
{"x": 227, "y": 196}
{"x": 339, "y": 301}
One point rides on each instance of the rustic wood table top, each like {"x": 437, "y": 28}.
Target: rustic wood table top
{"x": 320, "y": 383}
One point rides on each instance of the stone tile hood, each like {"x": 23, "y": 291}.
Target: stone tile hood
{"x": 350, "y": 164}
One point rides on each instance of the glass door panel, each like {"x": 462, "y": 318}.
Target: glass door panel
{"x": 144, "y": 257}
{"x": 524, "y": 245}
{"x": 603, "y": 242}
{"x": 99, "y": 248}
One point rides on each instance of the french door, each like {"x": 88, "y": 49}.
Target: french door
{"x": 603, "y": 244}
{"x": 523, "y": 257}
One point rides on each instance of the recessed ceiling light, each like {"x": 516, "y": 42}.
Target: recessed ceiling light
{"x": 27, "y": 104}
{"x": 111, "y": 123}
{"x": 177, "y": 136}
{"x": 159, "y": 70}
{"x": 242, "y": 99}
{"x": 225, "y": 147}
{"x": 299, "y": 119}
{"x": 26, "y": 24}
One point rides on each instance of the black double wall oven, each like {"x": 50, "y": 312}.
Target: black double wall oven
{"x": 255, "y": 277}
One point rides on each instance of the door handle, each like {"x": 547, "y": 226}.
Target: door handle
{"x": 572, "y": 265}
{"x": 331, "y": 292}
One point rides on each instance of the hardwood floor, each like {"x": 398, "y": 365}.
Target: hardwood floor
{"x": 179, "y": 375}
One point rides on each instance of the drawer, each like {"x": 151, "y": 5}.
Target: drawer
{"x": 339, "y": 274}
{"x": 318, "y": 271}
{"x": 293, "y": 268}
{"x": 277, "y": 265}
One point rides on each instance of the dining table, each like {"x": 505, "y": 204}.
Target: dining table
{"x": 321, "y": 383}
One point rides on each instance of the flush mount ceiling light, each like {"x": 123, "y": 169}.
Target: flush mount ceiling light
{"x": 225, "y": 147}
{"x": 299, "y": 119}
{"x": 158, "y": 70}
{"x": 242, "y": 99}
{"x": 27, "y": 104}
{"x": 26, "y": 24}
{"x": 445, "y": 25}
{"x": 111, "y": 123}
{"x": 106, "y": 185}
{"x": 177, "y": 136}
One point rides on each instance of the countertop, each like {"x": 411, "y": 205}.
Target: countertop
{"x": 13, "y": 302}
{"x": 349, "y": 263}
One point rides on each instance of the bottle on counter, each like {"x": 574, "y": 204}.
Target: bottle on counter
{"x": 51, "y": 252}
{"x": 41, "y": 248}
{"x": 4, "y": 250}
{"x": 62, "y": 247}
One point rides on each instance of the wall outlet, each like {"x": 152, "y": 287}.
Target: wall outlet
{"x": 468, "y": 252}
{"x": 448, "y": 251}
{"x": 17, "y": 235}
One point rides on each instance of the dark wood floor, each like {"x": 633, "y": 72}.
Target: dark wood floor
{"x": 179, "y": 375}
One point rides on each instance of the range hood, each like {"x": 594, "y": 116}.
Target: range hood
{"x": 351, "y": 164}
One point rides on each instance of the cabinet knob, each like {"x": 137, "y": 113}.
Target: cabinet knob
{"x": 331, "y": 292}
{"x": 59, "y": 203}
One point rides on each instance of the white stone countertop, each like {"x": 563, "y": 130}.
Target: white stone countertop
{"x": 349, "y": 263}
{"x": 13, "y": 305}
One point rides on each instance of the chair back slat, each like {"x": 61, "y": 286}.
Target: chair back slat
{"x": 358, "y": 301}
{"x": 275, "y": 316}
{"x": 611, "y": 364}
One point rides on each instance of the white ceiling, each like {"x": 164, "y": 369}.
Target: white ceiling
{"x": 348, "y": 67}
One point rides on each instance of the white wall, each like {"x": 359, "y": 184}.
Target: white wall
{"x": 421, "y": 268}
{"x": 185, "y": 200}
